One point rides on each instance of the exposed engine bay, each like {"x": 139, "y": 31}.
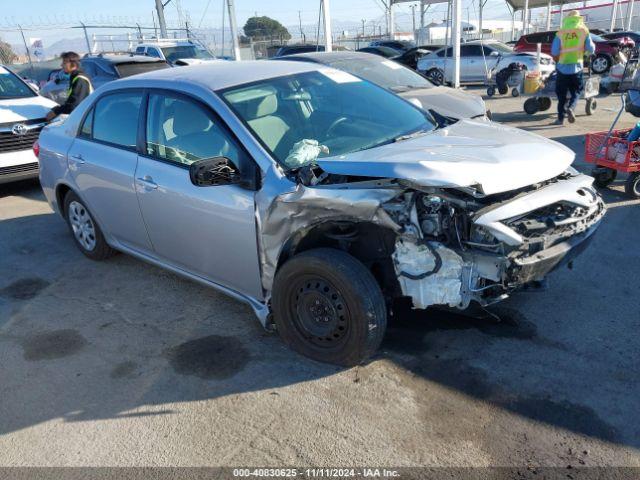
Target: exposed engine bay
{"x": 456, "y": 245}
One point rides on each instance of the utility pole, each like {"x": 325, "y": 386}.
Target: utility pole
{"x": 455, "y": 33}
{"x": 392, "y": 21}
{"x": 161, "y": 21}
{"x": 413, "y": 17}
{"x": 613, "y": 15}
{"x": 629, "y": 14}
{"x": 234, "y": 29}
{"x": 363, "y": 22}
{"x": 300, "y": 24}
{"x": 328, "y": 46}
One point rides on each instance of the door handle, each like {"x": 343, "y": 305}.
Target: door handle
{"x": 147, "y": 182}
{"x": 78, "y": 158}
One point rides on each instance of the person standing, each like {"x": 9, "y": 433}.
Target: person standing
{"x": 79, "y": 85}
{"x": 568, "y": 49}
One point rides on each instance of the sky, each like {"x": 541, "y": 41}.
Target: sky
{"x": 49, "y": 14}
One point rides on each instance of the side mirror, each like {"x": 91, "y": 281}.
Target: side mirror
{"x": 211, "y": 172}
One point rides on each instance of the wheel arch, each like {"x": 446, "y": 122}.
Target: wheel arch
{"x": 368, "y": 242}
{"x": 61, "y": 192}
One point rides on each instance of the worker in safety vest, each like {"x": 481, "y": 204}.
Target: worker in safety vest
{"x": 79, "y": 85}
{"x": 568, "y": 49}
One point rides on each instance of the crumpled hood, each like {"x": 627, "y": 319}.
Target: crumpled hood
{"x": 20, "y": 109}
{"x": 494, "y": 157}
{"x": 449, "y": 102}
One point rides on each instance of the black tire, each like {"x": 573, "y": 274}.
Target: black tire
{"x": 515, "y": 92}
{"x": 329, "y": 307}
{"x": 73, "y": 206}
{"x": 531, "y": 106}
{"x": 544, "y": 103}
{"x": 592, "y": 105}
{"x": 436, "y": 76}
{"x": 491, "y": 91}
{"x": 632, "y": 185}
{"x": 601, "y": 64}
{"x": 604, "y": 176}
{"x": 502, "y": 90}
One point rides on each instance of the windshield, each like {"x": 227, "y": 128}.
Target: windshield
{"x": 310, "y": 115}
{"x": 12, "y": 87}
{"x": 386, "y": 73}
{"x": 185, "y": 51}
{"x": 500, "y": 47}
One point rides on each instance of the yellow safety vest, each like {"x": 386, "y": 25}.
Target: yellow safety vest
{"x": 572, "y": 45}
{"x": 74, "y": 81}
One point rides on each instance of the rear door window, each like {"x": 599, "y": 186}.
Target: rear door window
{"x": 115, "y": 119}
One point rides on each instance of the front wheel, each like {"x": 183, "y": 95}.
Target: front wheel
{"x": 632, "y": 185}
{"x": 329, "y": 307}
{"x": 85, "y": 230}
{"x": 531, "y": 106}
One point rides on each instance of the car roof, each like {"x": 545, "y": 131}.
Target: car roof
{"x": 220, "y": 75}
{"x": 122, "y": 58}
{"x": 322, "y": 57}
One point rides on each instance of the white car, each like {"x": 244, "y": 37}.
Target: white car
{"x": 477, "y": 60}
{"x": 22, "y": 116}
{"x": 176, "y": 52}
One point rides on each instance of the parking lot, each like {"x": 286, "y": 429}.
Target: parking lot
{"x": 123, "y": 364}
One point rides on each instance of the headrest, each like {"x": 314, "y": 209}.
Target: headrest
{"x": 258, "y": 107}
{"x": 188, "y": 118}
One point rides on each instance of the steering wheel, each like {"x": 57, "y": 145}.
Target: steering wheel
{"x": 338, "y": 121}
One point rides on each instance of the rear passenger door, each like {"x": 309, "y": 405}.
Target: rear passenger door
{"x": 102, "y": 161}
{"x": 210, "y": 231}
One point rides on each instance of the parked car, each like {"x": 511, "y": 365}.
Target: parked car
{"x": 22, "y": 116}
{"x": 295, "y": 49}
{"x": 403, "y": 81}
{"x": 175, "y": 52}
{"x": 385, "y": 52}
{"x": 603, "y": 57}
{"x": 410, "y": 57}
{"x": 314, "y": 196}
{"x": 477, "y": 59}
{"x": 102, "y": 69}
{"x": 400, "y": 45}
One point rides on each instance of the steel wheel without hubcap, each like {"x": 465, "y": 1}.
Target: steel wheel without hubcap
{"x": 82, "y": 225}
{"x": 321, "y": 314}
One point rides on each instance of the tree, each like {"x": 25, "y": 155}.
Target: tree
{"x": 265, "y": 27}
{"x": 7, "y": 55}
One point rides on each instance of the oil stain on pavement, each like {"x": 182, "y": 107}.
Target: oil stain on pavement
{"x": 24, "y": 288}
{"x": 124, "y": 369}
{"x": 214, "y": 357}
{"x": 52, "y": 345}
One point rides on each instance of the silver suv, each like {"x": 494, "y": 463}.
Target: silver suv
{"x": 314, "y": 196}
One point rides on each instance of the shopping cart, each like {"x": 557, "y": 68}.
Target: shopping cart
{"x": 511, "y": 77}
{"x": 611, "y": 152}
{"x": 541, "y": 99}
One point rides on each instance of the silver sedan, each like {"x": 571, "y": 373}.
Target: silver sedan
{"x": 314, "y": 196}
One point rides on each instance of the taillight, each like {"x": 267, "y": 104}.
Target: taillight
{"x": 36, "y": 149}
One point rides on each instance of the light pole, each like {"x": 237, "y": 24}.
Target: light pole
{"x": 234, "y": 29}
{"x": 328, "y": 47}
{"x": 161, "y": 21}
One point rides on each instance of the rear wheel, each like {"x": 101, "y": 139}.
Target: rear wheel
{"x": 491, "y": 91}
{"x": 544, "y": 103}
{"x": 592, "y": 105}
{"x": 85, "y": 230}
{"x": 632, "y": 185}
{"x": 328, "y": 306}
{"x": 604, "y": 176}
{"x": 436, "y": 76}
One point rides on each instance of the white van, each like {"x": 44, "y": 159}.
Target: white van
{"x": 22, "y": 116}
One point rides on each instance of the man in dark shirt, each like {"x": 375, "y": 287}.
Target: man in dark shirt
{"x": 79, "y": 85}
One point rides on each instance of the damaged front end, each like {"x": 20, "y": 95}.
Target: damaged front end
{"x": 458, "y": 246}
{"x": 440, "y": 245}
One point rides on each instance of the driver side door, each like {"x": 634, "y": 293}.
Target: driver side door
{"x": 209, "y": 231}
